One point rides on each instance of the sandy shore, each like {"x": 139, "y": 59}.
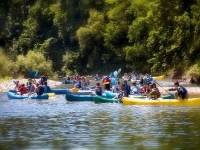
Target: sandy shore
{"x": 8, "y": 85}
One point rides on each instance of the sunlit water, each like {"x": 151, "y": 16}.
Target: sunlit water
{"x": 58, "y": 124}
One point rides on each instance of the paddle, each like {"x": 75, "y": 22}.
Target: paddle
{"x": 163, "y": 88}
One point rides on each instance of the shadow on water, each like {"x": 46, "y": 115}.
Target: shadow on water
{"x": 58, "y": 124}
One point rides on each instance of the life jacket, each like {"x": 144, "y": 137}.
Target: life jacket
{"x": 106, "y": 80}
{"x": 127, "y": 90}
{"x": 78, "y": 84}
{"x": 40, "y": 90}
{"x": 145, "y": 89}
{"x": 98, "y": 90}
{"x": 182, "y": 91}
{"x": 23, "y": 89}
{"x": 46, "y": 89}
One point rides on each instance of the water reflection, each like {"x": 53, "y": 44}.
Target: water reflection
{"x": 57, "y": 124}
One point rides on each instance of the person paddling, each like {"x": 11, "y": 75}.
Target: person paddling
{"x": 30, "y": 86}
{"x": 39, "y": 89}
{"x": 98, "y": 89}
{"x": 23, "y": 89}
{"x": 127, "y": 89}
{"x": 47, "y": 89}
{"x": 181, "y": 92}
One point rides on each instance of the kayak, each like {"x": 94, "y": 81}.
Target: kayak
{"x": 81, "y": 92}
{"x": 76, "y": 97}
{"x": 59, "y": 91}
{"x": 161, "y": 101}
{"x": 68, "y": 91}
{"x": 102, "y": 99}
{"x": 109, "y": 94}
{"x": 15, "y": 95}
{"x": 168, "y": 96}
{"x": 137, "y": 96}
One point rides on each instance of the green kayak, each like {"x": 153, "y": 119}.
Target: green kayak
{"x": 101, "y": 99}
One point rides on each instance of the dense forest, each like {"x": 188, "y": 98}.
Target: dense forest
{"x": 87, "y": 36}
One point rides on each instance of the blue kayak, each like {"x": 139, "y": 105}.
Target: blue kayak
{"x": 82, "y": 92}
{"x": 76, "y": 97}
{"x": 59, "y": 91}
{"x": 15, "y": 95}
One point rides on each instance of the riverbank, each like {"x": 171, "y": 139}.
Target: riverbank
{"x": 7, "y": 84}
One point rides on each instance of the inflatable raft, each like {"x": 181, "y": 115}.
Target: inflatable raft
{"x": 161, "y": 101}
{"x": 15, "y": 95}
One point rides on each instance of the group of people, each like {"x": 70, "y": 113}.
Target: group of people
{"x": 78, "y": 81}
{"x": 32, "y": 86}
{"x": 146, "y": 86}
{"x": 123, "y": 89}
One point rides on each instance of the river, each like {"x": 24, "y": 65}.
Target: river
{"x": 58, "y": 124}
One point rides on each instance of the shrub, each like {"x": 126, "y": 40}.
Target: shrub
{"x": 6, "y": 65}
{"x": 194, "y": 73}
{"x": 33, "y": 61}
{"x": 70, "y": 60}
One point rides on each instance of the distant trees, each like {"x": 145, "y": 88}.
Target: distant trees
{"x": 87, "y": 35}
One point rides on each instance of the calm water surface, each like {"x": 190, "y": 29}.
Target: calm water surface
{"x": 58, "y": 124}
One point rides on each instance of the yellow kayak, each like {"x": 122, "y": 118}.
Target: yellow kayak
{"x": 159, "y": 77}
{"x": 146, "y": 101}
{"x": 51, "y": 94}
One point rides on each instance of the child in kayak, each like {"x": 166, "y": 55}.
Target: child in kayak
{"x": 181, "y": 92}
{"x": 154, "y": 93}
{"x": 134, "y": 88}
{"x": 22, "y": 89}
{"x": 30, "y": 86}
{"x": 145, "y": 89}
{"x": 98, "y": 89}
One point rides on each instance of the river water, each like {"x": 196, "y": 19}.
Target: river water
{"x": 58, "y": 124}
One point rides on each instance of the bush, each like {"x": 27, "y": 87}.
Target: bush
{"x": 194, "y": 73}
{"x": 34, "y": 61}
{"x": 6, "y": 65}
{"x": 70, "y": 60}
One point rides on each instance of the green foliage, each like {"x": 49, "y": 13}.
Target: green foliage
{"x": 138, "y": 31}
{"x": 6, "y": 65}
{"x": 34, "y": 61}
{"x": 194, "y": 70}
{"x": 90, "y": 40}
{"x": 146, "y": 35}
{"x": 70, "y": 59}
